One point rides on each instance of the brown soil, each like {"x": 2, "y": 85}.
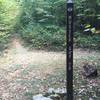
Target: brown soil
{"x": 18, "y": 66}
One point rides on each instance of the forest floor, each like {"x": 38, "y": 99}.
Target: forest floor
{"x": 25, "y": 72}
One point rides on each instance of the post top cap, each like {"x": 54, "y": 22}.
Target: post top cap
{"x": 70, "y": 1}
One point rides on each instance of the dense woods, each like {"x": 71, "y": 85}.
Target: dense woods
{"x": 42, "y": 23}
{"x": 31, "y": 34}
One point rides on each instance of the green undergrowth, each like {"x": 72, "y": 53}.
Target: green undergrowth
{"x": 52, "y": 37}
{"x": 49, "y": 37}
{"x": 8, "y": 13}
{"x": 87, "y": 41}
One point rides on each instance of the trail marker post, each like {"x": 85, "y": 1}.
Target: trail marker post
{"x": 69, "y": 53}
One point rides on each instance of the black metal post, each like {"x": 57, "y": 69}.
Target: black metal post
{"x": 69, "y": 50}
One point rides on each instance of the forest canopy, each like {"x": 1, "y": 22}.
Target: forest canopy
{"x": 42, "y": 23}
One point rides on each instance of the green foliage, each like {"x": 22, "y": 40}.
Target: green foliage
{"x": 43, "y": 11}
{"x": 8, "y": 13}
{"x": 87, "y": 12}
{"x": 52, "y": 37}
{"x": 91, "y": 42}
{"x": 87, "y": 24}
{"x": 42, "y": 22}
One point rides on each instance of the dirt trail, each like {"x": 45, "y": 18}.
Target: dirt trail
{"x": 20, "y": 68}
